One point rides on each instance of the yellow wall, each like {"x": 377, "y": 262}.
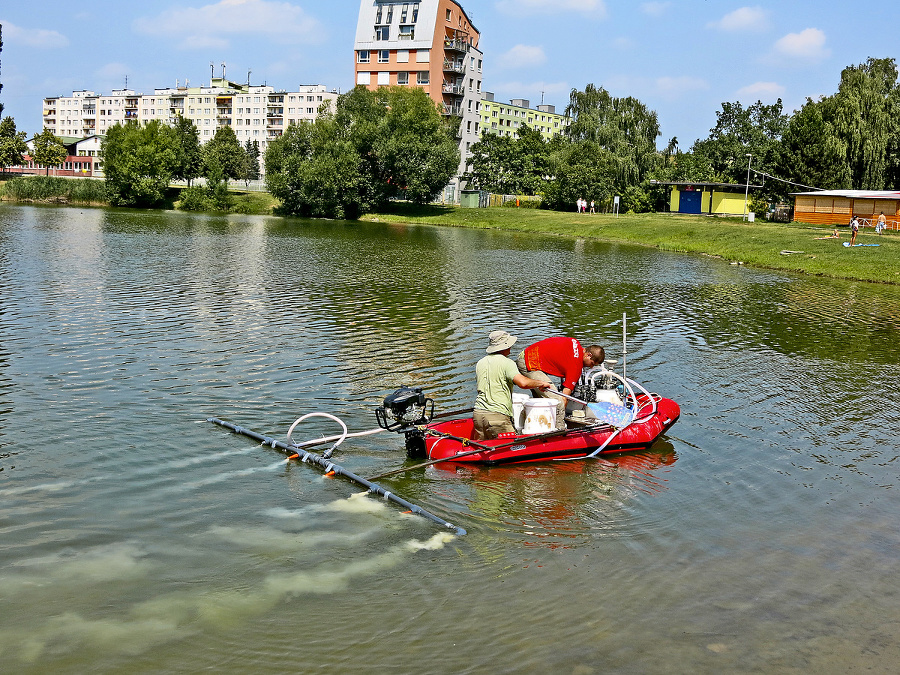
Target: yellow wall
{"x": 728, "y": 202}
{"x": 675, "y": 201}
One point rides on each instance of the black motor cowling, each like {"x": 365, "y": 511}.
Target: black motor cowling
{"x": 406, "y": 407}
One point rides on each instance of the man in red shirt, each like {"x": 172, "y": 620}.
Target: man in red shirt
{"x": 560, "y": 357}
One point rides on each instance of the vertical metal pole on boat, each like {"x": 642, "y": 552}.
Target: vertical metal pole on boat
{"x": 624, "y": 344}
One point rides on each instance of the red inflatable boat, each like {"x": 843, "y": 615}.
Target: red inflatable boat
{"x": 622, "y": 417}
{"x": 451, "y": 440}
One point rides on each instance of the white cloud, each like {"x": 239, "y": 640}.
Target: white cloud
{"x": 743, "y": 19}
{"x": 522, "y": 56}
{"x": 807, "y": 45}
{"x": 655, "y": 9}
{"x": 595, "y": 7}
{"x": 212, "y": 25}
{"x": 763, "y": 91}
{"x": 37, "y": 38}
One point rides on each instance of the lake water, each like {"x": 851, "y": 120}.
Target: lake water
{"x": 760, "y": 536}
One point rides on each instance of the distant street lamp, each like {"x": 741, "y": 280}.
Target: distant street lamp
{"x": 747, "y": 188}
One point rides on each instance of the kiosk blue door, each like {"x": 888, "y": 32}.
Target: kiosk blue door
{"x": 689, "y": 202}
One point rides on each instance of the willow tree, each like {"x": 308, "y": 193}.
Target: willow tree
{"x": 865, "y": 115}
{"x": 623, "y": 128}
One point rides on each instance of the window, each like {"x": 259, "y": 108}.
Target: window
{"x": 364, "y": 78}
{"x": 383, "y": 55}
{"x": 403, "y": 13}
{"x": 415, "y": 14}
{"x": 422, "y": 56}
{"x": 362, "y": 56}
{"x": 449, "y": 14}
{"x": 423, "y": 77}
{"x": 378, "y": 14}
{"x": 390, "y": 14}
{"x": 407, "y": 32}
{"x": 382, "y": 33}
{"x": 402, "y": 78}
{"x": 384, "y": 77}
{"x": 403, "y": 56}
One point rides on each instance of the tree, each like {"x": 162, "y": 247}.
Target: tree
{"x": 188, "y": 154}
{"x": 139, "y": 162}
{"x": 376, "y": 146}
{"x": 12, "y": 143}
{"x": 315, "y": 171}
{"x": 866, "y": 119}
{"x": 252, "y": 168}
{"x": 223, "y": 156}
{"x": 48, "y": 150}
{"x": 581, "y": 170}
{"x": 756, "y": 130}
{"x": 415, "y": 155}
{"x": 623, "y": 127}
{"x": 510, "y": 165}
{"x": 491, "y": 164}
{"x": 812, "y": 153}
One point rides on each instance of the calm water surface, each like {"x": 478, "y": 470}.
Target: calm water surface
{"x": 761, "y": 536}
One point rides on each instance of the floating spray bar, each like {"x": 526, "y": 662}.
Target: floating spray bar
{"x": 294, "y": 452}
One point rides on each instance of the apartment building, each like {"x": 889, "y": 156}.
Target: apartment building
{"x": 430, "y": 44}
{"x": 505, "y": 119}
{"x": 256, "y": 113}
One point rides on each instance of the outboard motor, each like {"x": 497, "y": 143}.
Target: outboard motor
{"x": 404, "y": 410}
{"x": 406, "y": 407}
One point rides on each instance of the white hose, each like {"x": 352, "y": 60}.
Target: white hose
{"x": 326, "y": 439}
{"x": 340, "y": 438}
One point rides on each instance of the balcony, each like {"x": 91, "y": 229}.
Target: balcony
{"x": 451, "y": 67}
{"x": 456, "y": 45}
{"x": 452, "y": 110}
{"x": 454, "y": 89}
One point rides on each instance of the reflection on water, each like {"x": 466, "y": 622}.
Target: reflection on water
{"x": 760, "y": 535}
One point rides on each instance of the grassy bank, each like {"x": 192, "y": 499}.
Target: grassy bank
{"x": 58, "y": 190}
{"x": 758, "y": 244}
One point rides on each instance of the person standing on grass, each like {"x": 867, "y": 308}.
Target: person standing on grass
{"x": 854, "y": 228}
{"x": 882, "y": 223}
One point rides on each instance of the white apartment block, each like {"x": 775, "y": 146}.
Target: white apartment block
{"x": 256, "y": 113}
{"x": 430, "y": 44}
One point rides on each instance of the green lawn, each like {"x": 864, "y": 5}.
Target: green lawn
{"x": 759, "y": 244}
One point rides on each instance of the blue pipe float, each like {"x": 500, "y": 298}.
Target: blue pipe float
{"x": 295, "y": 452}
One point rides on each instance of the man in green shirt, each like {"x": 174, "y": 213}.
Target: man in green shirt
{"x": 496, "y": 374}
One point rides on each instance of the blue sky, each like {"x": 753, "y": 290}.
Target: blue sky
{"x": 682, "y": 58}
